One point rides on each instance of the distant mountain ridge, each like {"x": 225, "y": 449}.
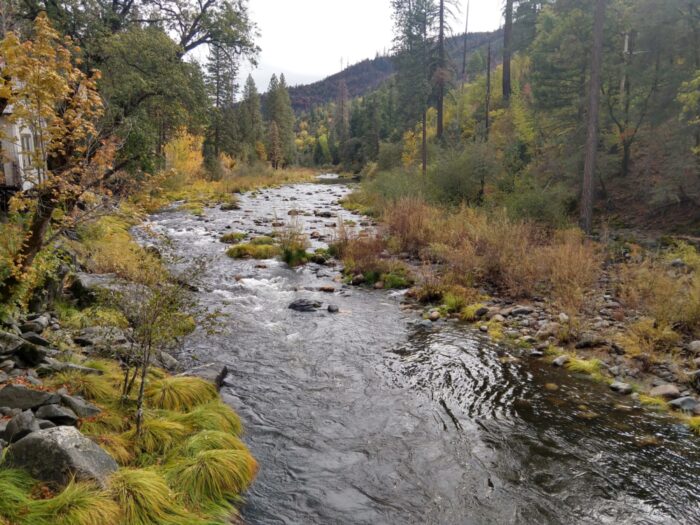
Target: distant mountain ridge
{"x": 368, "y": 75}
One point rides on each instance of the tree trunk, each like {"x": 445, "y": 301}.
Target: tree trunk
{"x": 424, "y": 146}
{"x": 142, "y": 388}
{"x": 441, "y": 73}
{"x": 593, "y": 109}
{"x": 464, "y": 52}
{"x": 507, "y": 51}
{"x": 488, "y": 92}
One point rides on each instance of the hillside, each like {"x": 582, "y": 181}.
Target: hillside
{"x": 365, "y": 76}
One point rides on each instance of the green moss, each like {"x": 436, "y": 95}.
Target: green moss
{"x": 232, "y": 238}
{"x": 253, "y": 251}
{"x": 263, "y": 240}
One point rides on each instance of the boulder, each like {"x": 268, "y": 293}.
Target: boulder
{"x": 57, "y": 455}
{"x": 522, "y": 310}
{"x": 21, "y": 425}
{"x": 668, "y": 391}
{"x": 31, "y": 354}
{"x": 9, "y": 343}
{"x": 52, "y": 366}
{"x": 687, "y": 403}
{"x": 19, "y": 396}
{"x": 82, "y": 408}
{"x": 167, "y": 361}
{"x": 45, "y": 423}
{"x": 32, "y": 327}
{"x": 694, "y": 347}
{"x": 304, "y": 305}
{"x": 57, "y": 414}
{"x": 35, "y": 339}
{"x": 7, "y": 365}
{"x": 621, "y": 388}
{"x": 101, "y": 337}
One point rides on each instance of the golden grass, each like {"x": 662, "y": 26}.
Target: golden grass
{"x": 158, "y": 435}
{"x": 98, "y": 388}
{"x": 212, "y": 416}
{"x": 179, "y": 393}
{"x": 78, "y": 503}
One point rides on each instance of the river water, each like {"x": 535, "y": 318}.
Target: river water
{"x": 364, "y": 417}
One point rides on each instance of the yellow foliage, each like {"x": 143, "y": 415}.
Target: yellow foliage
{"x": 183, "y": 154}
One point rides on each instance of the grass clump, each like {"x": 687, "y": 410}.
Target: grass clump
{"x": 589, "y": 367}
{"x": 232, "y": 238}
{"x": 253, "y": 251}
{"x": 98, "y": 388}
{"x": 293, "y": 244}
{"x": 179, "y": 393}
{"x": 145, "y": 498}
{"x": 15, "y": 487}
{"x": 468, "y": 313}
{"x": 397, "y": 278}
{"x": 211, "y": 440}
{"x": 212, "y": 416}
{"x": 212, "y": 476}
{"x": 263, "y": 240}
{"x": 158, "y": 434}
{"x": 78, "y": 504}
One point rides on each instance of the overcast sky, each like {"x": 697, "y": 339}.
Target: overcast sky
{"x": 306, "y": 39}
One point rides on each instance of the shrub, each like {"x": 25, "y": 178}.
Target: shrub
{"x": 548, "y": 206}
{"x": 294, "y": 244}
{"x": 78, "y": 504}
{"x": 412, "y": 222}
{"x": 179, "y": 393}
{"x": 361, "y": 255}
{"x": 253, "y": 251}
{"x": 461, "y": 177}
{"x": 212, "y": 476}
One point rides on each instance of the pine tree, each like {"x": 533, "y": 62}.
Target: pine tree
{"x": 274, "y": 146}
{"x": 342, "y": 113}
{"x": 250, "y": 118}
{"x": 220, "y": 80}
{"x": 278, "y": 109}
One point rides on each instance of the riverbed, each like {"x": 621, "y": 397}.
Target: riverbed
{"x": 368, "y": 417}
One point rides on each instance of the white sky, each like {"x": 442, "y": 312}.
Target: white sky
{"x": 306, "y": 39}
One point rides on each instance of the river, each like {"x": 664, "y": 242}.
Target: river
{"x": 365, "y": 417}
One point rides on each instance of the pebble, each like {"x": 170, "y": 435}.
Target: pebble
{"x": 621, "y": 388}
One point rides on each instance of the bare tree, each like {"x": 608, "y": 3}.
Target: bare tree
{"x": 507, "y": 50}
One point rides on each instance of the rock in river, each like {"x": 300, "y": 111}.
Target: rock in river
{"x": 57, "y": 454}
{"x": 667, "y": 391}
{"x": 305, "y": 305}
{"x": 621, "y": 388}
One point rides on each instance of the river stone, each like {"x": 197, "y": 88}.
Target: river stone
{"x": 561, "y": 360}
{"x": 621, "y": 388}
{"x": 19, "y": 396}
{"x": 668, "y": 391}
{"x": 9, "y": 343}
{"x": 481, "y": 312}
{"x": 522, "y": 310}
{"x": 333, "y": 308}
{"x": 82, "y": 408}
{"x": 21, "y": 425}
{"x": 687, "y": 403}
{"x": 57, "y": 414}
{"x": 32, "y": 327}
{"x": 168, "y": 361}
{"x": 304, "y": 305}
{"x": 59, "y": 454}
{"x": 694, "y": 347}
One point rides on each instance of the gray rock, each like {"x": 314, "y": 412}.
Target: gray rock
{"x": 101, "y": 337}
{"x": 481, "y": 312}
{"x": 52, "y": 366}
{"x": 694, "y": 347}
{"x": 590, "y": 341}
{"x": 168, "y": 361}
{"x": 536, "y": 353}
{"x": 9, "y": 343}
{"x": 45, "y": 423}
{"x": 548, "y": 330}
{"x": 57, "y": 414}
{"x": 7, "y": 365}
{"x": 21, "y": 425}
{"x": 58, "y": 454}
{"x": 31, "y": 354}
{"x": 35, "y": 339}
{"x": 3, "y": 377}
{"x": 561, "y": 360}
{"x": 32, "y": 327}
{"x": 687, "y": 403}
{"x": 82, "y": 408}
{"x": 304, "y": 305}
{"x": 333, "y": 308}
{"x": 522, "y": 310}
{"x": 621, "y": 388}
{"x": 19, "y": 396}
{"x": 667, "y": 391}
{"x": 358, "y": 279}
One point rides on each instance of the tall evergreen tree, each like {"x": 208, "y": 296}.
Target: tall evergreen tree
{"x": 250, "y": 119}
{"x": 278, "y": 109}
{"x": 220, "y": 79}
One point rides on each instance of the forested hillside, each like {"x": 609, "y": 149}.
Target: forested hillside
{"x": 368, "y": 75}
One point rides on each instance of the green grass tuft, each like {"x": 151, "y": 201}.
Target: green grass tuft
{"x": 158, "y": 434}
{"x": 179, "y": 393}
{"x": 253, "y": 251}
{"x": 93, "y": 387}
{"x": 15, "y": 487}
{"x": 78, "y": 504}
{"x": 145, "y": 499}
{"x": 232, "y": 238}
{"x": 584, "y": 366}
{"x": 212, "y": 476}
{"x": 263, "y": 240}
{"x": 212, "y": 416}
{"x": 211, "y": 440}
